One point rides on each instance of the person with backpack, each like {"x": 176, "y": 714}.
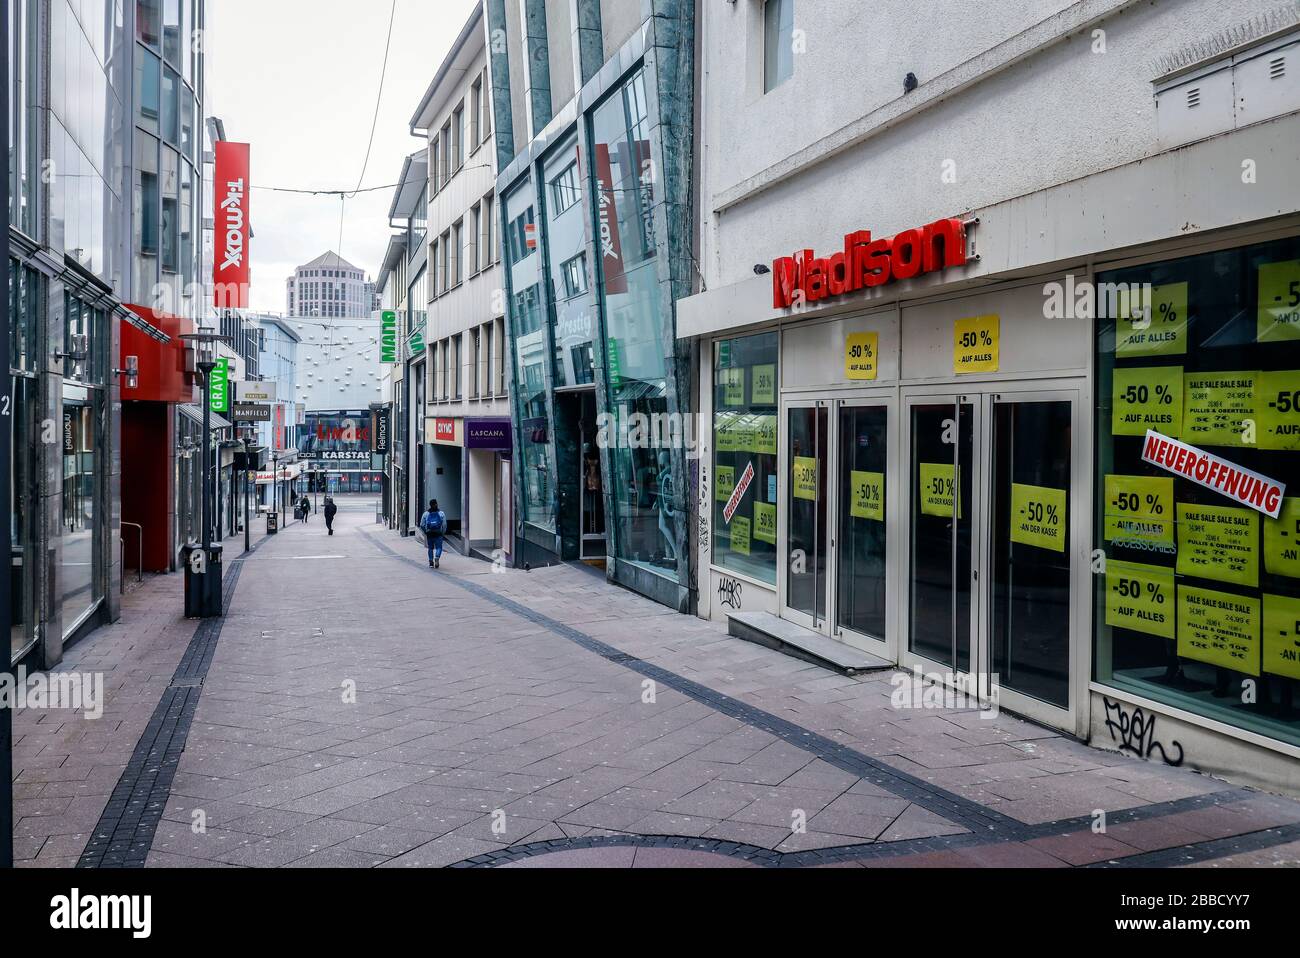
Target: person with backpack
{"x": 331, "y": 510}
{"x": 306, "y": 507}
{"x": 433, "y": 524}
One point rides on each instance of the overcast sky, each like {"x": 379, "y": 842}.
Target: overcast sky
{"x": 298, "y": 79}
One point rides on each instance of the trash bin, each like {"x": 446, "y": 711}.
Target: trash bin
{"x": 272, "y": 522}
{"x": 202, "y": 581}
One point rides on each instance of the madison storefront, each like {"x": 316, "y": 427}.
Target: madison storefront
{"x": 1080, "y": 485}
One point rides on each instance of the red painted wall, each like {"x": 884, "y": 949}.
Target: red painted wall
{"x": 162, "y": 365}
{"x": 148, "y": 497}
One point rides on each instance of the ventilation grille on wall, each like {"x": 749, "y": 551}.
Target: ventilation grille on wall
{"x": 1193, "y": 97}
{"x": 1277, "y": 68}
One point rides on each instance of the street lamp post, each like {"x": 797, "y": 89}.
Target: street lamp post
{"x": 203, "y": 575}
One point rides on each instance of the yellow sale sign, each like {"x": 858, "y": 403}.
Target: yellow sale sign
{"x": 1219, "y": 628}
{"x": 1038, "y": 516}
{"x": 860, "y": 353}
{"x": 1140, "y": 598}
{"x": 868, "y": 495}
{"x": 1282, "y": 635}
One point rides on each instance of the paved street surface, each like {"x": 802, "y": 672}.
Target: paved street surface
{"x": 356, "y": 708}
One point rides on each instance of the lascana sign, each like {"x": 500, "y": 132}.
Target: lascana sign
{"x": 388, "y": 336}
{"x": 230, "y": 273}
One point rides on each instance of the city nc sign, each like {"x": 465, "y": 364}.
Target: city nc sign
{"x": 388, "y": 336}
{"x": 230, "y": 273}
{"x": 864, "y": 262}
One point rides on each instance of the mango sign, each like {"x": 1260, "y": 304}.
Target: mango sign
{"x": 1249, "y": 488}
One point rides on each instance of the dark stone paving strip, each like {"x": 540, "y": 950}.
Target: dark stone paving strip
{"x": 126, "y": 828}
{"x": 1207, "y": 850}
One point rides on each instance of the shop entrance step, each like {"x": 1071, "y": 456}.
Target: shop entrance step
{"x": 792, "y": 639}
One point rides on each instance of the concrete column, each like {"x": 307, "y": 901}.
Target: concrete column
{"x": 588, "y": 40}
{"x": 537, "y": 71}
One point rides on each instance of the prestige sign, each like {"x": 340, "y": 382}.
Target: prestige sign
{"x": 864, "y": 263}
{"x": 1249, "y": 488}
{"x": 230, "y": 268}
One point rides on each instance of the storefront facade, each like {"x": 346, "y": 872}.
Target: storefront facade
{"x": 943, "y": 461}
{"x": 593, "y": 212}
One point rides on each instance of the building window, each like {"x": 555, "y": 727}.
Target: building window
{"x": 1200, "y": 598}
{"x": 476, "y": 356}
{"x": 445, "y": 263}
{"x": 574, "y": 273}
{"x": 476, "y": 113}
{"x": 778, "y": 42}
{"x": 476, "y": 231}
{"x": 458, "y": 135}
{"x": 488, "y": 233}
{"x": 148, "y": 21}
{"x": 564, "y": 189}
{"x": 523, "y": 238}
{"x": 744, "y": 438}
{"x": 434, "y": 167}
{"x": 457, "y": 250}
{"x": 148, "y": 95}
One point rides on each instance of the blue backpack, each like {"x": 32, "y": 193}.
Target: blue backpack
{"x": 435, "y": 523}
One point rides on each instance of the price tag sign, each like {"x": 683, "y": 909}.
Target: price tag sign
{"x": 1216, "y": 542}
{"x": 937, "y": 484}
{"x": 764, "y": 387}
{"x": 1277, "y": 406}
{"x": 1219, "y": 628}
{"x": 740, "y": 535}
{"x": 724, "y": 437}
{"x": 975, "y": 345}
{"x": 1278, "y": 305}
{"x": 1147, "y": 397}
{"x": 765, "y": 435}
{"x": 725, "y": 482}
{"x": 1155, "y": 329}
{"x": 805, "y": 477}
{"x": 1140, "y": 598}
{"x": 733, "y": 386}
{"x": 1038, "y": 516}
{"x": 1282, "y": 541}
{"x": 1217, "y": 406}
{"x": 860, "y": 353}
{"x": 1139, "y": 509}
{"x": 1282, "y": 635}
{"x": 868, "y": 490}
{"x": 765, "y": 522}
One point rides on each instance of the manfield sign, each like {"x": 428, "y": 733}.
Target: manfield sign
{"x": 387, "y": 336}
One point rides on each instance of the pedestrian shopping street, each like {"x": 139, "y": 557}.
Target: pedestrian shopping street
{"x": 356, "y": 708}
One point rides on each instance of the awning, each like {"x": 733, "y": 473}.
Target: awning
{"x": 196, "y": 413}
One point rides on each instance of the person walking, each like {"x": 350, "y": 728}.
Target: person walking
{"x": 433, "y": 524}
{"x": 330, "y": 511}
{"x": 306, "y": 507}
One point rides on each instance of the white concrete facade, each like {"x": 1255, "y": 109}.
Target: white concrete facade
{"x": 1060, "y": 132}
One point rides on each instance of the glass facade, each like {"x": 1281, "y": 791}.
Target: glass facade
{"x": 744, "y": 453}
{"x": 80, "y": 573}
{"x": 572, "y": 308}
{"x": 638, "y": 333}
{"x": 26, "y": 287}
{"x": 1199, "y": 603}
{"x": 528, "y": 334}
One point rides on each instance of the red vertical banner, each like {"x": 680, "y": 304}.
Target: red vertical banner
{"x": 611, "y": 247}
{"x": 230, "y": 272}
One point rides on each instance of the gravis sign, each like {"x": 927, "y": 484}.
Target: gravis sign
{"x": 864, "y": 262}
{"x": 388, "y": 336}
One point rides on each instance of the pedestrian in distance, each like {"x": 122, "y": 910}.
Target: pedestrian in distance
{"x": 330, "y": 511}
{"x": 306, "y": 508}
{"x": 433, "y": 524}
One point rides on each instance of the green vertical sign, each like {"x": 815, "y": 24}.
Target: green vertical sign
{"x": 388, "y": 336}
{"x": 615, "y": 372}
{"x": 219, "y": 386}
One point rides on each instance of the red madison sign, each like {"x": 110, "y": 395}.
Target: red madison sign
{"x": 864, "y": 262}
{"x": 230, "y": 260}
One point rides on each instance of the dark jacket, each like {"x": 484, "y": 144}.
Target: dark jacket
{"x": 330, "y": 509}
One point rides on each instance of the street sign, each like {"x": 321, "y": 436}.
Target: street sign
{"x": 250, "y": 412}
{"x": 255, "y": 392}
{"x": 220, "y": 385}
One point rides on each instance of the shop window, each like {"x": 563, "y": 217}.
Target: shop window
{"x": 647, "y": 495}
{"x": 1198, "y": 604}
{"x": 744, "y": 455}
{"x": 564, "y": 189}
{"x": 778, "y": 43}
{"x": 523, "y": 242}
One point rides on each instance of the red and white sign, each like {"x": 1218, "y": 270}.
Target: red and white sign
{"x": 738, "y": 493}
{"x": 444, "y": 430}
{"x": 230, "y": 272}
{"x": 864, "y": 262}
{"x": 1249, "y": 488}
{"x": 611, "y": 247}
